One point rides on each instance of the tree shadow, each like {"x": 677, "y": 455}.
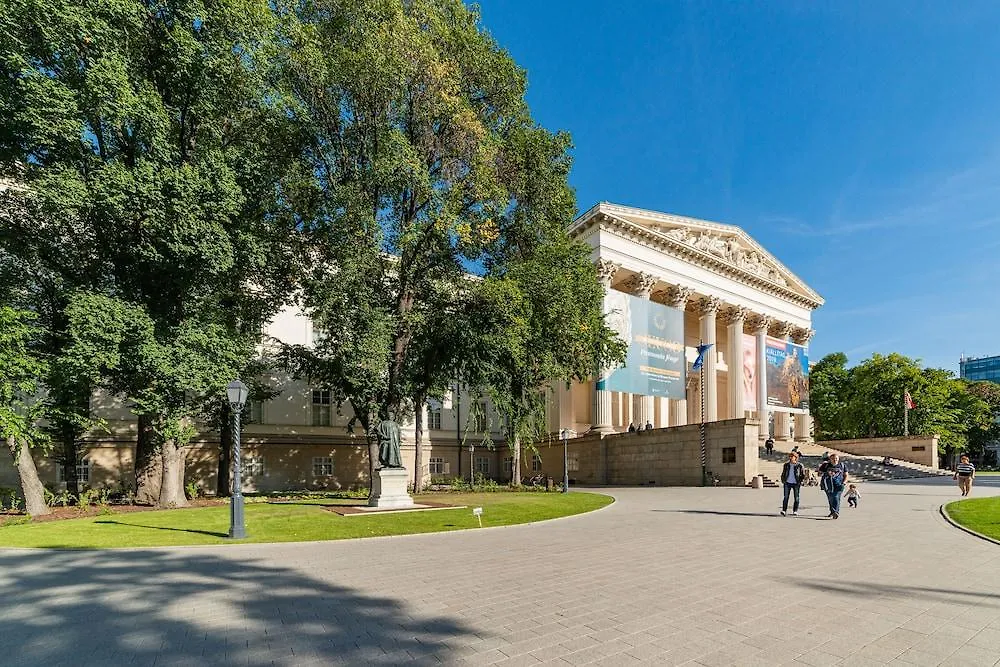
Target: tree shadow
{"x": 177, "y": 530}
{"x": 190, "y": 606}
{"x": 764, "y": 514}
{"x": 870, "y": 589}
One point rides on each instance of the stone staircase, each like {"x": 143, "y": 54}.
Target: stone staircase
{"x": 861, "y": 468}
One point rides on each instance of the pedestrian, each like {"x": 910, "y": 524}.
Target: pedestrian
{"x": 853, "y": 495}
{"x": 769, "y": 445}
{"x": 631, "y": 427}
{"x": 965, "y": 472}
{"x": 834, "y": 478}
{"x": 649, "y": 426}
{"x": 792, "y": 474}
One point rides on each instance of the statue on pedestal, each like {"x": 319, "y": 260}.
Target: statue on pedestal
{"x": 388, "y": 444}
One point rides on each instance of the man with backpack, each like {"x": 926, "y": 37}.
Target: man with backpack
{"x": 792, "y": 474}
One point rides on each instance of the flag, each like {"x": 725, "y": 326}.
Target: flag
{"x": 909, "y": 401}
{"x": 700, "y": 361}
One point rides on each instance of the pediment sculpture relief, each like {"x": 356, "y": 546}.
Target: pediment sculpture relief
{"x": 729, "y": 249}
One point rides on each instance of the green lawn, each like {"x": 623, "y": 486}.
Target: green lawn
{"x": 297, "y": 521}
{"x": 979, "y": 514}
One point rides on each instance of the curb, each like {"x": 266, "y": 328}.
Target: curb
{"x": 955, "y": 524}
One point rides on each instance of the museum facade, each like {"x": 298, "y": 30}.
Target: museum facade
{"x": 672, "y": 283}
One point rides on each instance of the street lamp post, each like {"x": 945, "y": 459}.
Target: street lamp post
{"x": 565, "y": 439}
{"x": 236, "y": 392}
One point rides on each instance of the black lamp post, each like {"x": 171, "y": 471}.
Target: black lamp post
{"x": 565, "y": 439}
{"x": 236, "y": 392}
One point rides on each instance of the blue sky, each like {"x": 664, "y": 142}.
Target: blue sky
{"x": 858, "y": 141}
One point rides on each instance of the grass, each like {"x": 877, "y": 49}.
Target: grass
{"x": 979, "y": 514}
{"x": 296, "y": 521}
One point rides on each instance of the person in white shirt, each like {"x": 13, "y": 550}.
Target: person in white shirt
{"x": 792, "y": 474}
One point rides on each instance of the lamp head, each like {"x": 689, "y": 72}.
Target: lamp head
{"x": 237, "y": 392}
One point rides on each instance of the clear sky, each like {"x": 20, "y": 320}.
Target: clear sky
{"x": 857, "y": 141}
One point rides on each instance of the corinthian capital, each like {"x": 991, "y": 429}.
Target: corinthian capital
{"x": 734, "y": 314}
{"x": 758, "y": 323}
{"x": 709, "y": 305}
{"x": 677, "y": 296}
{"x": 781, "y": 329}
{"x": 801, "y": 336}
{"x": 641, "y": 284}
{"x": 606, "y": 270}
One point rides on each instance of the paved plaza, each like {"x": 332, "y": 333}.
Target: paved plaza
{"x": 665, "y": 576}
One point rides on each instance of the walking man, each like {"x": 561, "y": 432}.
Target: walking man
{"x": 769, "y": 445}
{"x": 965, "y": 472}
{"x": 834, "y": 479}
{"x": 792, "y": 475}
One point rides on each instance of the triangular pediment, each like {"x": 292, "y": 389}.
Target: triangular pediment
{"x": 727, "y": 246}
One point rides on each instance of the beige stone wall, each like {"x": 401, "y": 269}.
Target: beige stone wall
{"x": 920, "y": 449}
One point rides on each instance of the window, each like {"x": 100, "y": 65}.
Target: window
{"x": 322, "y": 466}
{"x": 481, "y": 418}
{"x": 321, "y": 407}
{"x": 253, "y": 466}
{"x": 508, "y": 464}
{"x": 483, "y": 465}
{"x": 729, "y": 455}
{"x": 536, "y": 463}
{"x": 573, "y": 462}
{"x": 437, "y": 466}
{"x": 82, "y": 472}
{"x": 433, "y": 417}
{"x": 255, "y": 412}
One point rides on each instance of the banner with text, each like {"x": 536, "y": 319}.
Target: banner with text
{"x": 787, "y": 367}
{"x": 654, "y": 333}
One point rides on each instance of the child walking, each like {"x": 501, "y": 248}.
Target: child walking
{"x": 853, "y": 495}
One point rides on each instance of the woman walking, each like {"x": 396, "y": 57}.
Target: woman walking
{"x": 965, "y": 472}
{"x": 834, "y": 479}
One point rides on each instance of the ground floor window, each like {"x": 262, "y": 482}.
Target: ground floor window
{"x": 508, "y": 464}
{"x": 82, "y": 471}
{"x": 729, "y": 455}
{"x": 483, "y": 465}
{"x": 573, "y": 462}
{"x": 322, "y": 466}
{"x": 253, "y": 466}
{"x": 536, "y": 463}
{"x": 436, "y": 465}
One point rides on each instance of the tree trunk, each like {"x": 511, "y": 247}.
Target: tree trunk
{"x": 31, "y": 486}
{"x": 515, "y": 449}
{"x": 172, "y": 482}
{"x": 222, "y": 487}
{"x": 418, "y": 445}
{"x": 147, "y": 464}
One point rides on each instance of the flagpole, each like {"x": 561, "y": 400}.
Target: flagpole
{"x": 701, "y": 428}
{"x": 906, "y": 416}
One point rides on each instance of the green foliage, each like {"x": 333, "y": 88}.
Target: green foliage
{"x": 866, "y": 401}
{"x": 20, "y": 371}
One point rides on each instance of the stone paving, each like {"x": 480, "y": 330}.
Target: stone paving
{"x": 665, "y": 576}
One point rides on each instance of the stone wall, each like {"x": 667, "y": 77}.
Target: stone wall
{"x": 921, "y": 449}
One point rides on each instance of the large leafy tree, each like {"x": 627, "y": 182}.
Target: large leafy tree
{"x": 427, "y": 165}
{"x": 157, "y": 153}
{"x": 20, "y": 371}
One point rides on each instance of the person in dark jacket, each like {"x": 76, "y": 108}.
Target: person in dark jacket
{"x": 792, "y": 475}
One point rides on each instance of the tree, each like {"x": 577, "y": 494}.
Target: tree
{"x": 157, "y": 150}
{"x": 20, "y": 371}
{"x": 426, "y": 162}
{"x": 829, "y": 394}
{"x": 988, "y": 432}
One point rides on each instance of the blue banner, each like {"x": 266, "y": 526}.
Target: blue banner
{"x": 654, "y": 333}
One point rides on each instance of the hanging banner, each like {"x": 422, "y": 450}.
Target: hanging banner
{"x": 654, "y": 333}
{"x": 787, "y": 375}
{"x": 749, "y": 372}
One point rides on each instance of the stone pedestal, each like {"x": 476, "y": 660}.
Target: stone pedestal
{"x": 389, "y": 489}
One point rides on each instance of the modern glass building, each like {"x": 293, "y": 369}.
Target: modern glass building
{"x": 980, "y": 368}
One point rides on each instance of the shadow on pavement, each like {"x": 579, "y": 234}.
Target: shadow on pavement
{"x": 158, "y": 606}
{"x": 765, "y": 514}
{"x": 868, "y": 589}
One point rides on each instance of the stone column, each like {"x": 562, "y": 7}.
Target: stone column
{"x": 735, "y": 316}
{"x": 606, "y": 270}
{"x": 803, "y": 422}
{"x": 708, "y": 307}
{"x": 782, "y": 426}
{"x": 641, "y": 285}
{"x": 662, "y": 411}
{"x": 677, "y": 296}
{"x": 758, "y": 327}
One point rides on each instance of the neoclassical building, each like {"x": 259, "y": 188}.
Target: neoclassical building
{"x": 691, "y": 281}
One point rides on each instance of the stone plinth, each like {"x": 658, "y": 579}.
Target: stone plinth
{"x": 389, "y": 489}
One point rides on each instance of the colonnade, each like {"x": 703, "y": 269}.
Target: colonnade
{"x": 739, "y": 320}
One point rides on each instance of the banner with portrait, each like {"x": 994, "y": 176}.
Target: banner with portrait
{"x": 787, "y": 367}
{"x": 749, "y": 372}
{"x": 654, "y": 333}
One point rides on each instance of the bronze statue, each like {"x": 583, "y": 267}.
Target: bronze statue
{"x": 388, "y": 444}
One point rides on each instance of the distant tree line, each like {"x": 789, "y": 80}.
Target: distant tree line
{"x": 866, "y": 401}
{"x": 174, "y": 172}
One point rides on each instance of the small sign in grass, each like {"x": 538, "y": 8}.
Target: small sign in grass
{"x": 293, "y": 522}
{"x": 979, "y": 514}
